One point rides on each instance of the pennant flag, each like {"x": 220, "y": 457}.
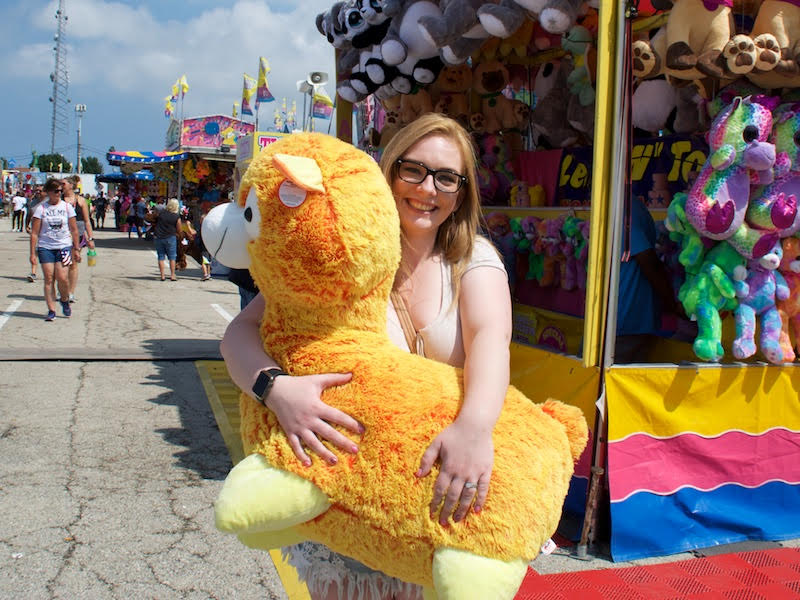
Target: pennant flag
{"x": 248, "y": 92}
{"x": 278, "y": 120}
{"x": 169, "y": 106}
{"x": 322, "y": 106}
{"x": 175, "y": 89}
{"x": 291, "y": 117}
{"x": 263, "y": 94}
{"x": 235, "y": 112}
{"x": 183, "y": 84}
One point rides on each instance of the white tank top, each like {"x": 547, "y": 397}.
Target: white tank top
{"x": 441, "y": 339}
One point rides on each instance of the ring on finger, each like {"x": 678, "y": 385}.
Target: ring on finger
{"x": 470, "y": 485}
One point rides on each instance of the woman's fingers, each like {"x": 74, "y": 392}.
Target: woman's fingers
{"x": 297, "y": 448}
{"x": 314, "y": 444}
{"x": 483, "y": 491}
{"x": 342, "y": 442}
{"x": 468, "y": 492}
{"x": 439, "y": 490}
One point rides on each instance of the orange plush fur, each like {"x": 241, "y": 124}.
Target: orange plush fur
{"x": 326, "y": 269}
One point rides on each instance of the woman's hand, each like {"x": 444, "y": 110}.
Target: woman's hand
{"x": 33, "y": 259}
{"x": 305, "y": 418}
{"x": 466, "y": 456}
{"x": 90, "y": 243}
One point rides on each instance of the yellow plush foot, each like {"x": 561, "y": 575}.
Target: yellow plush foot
{"x": 459, "y": 575}
{"x": 271, "y": 540}
{"x": 257, "y": 497}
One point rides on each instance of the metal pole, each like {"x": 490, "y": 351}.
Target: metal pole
{"x": 180, "y": 149}
{"x": 304, "y": 112}
{"x": 79, "y": 110}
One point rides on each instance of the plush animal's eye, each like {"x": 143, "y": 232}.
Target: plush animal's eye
{"x": 750, "y": 133}
{"x": 354, "y": 19}
{"x": 797, "y": 138}
{"x": 248, "y": 214}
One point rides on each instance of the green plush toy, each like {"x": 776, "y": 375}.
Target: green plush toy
{"x": 712, "y": 289}
{"x": 683, "y": 233}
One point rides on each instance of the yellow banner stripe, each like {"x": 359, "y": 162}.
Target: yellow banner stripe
{"x": 707, "y": 400}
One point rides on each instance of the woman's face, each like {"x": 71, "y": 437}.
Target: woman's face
{"x": 66, "y": 186}
{"x": 422, "y": 207}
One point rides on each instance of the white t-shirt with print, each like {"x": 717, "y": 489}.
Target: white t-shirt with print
{"x": 54, "y": 233}
{"x": 18, "y": 202}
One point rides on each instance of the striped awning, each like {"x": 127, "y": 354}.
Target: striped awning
{"x": 144, "y": 158}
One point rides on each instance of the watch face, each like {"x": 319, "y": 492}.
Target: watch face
{"x": 262, "y": 383}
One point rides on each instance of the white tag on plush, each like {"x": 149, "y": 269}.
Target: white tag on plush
{"x": 549, "y": 547}
{"x": 291, "y": 195}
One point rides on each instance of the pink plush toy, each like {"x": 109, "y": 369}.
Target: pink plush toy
{"x": 774, "y": 206}
{"x": 718, "y": 198}
{"x": 764, "y": 286}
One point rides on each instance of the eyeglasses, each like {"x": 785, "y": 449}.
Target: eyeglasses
{"x": 444, "y": 180}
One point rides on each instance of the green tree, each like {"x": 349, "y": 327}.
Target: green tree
{"x": 3, "y": 162}
{"x": 53, "y": 163}
{"x": 91, "y": 164}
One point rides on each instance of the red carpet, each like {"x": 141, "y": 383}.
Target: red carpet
{"x": 763, "y": 575}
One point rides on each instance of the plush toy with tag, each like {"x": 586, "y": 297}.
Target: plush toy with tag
{"x": 738, "y": 150}
{"x": 488, "y": 81}
{"x": 764, "y": 286}
{"x": 714, "y": 287}
{"x": 317, "y": 226}
{"x": 454, "y": 83}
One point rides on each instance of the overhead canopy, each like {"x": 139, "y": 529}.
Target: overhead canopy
{"x": 144, "y": 158}
{"x": 119, "y": 177}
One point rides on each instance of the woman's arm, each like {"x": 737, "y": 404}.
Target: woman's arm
{"x": 82, "y": 206}
{"x": 76, "y": 240}
{"x": 465, "y": 449}
{"x": 178, "y": 225}
{"x": 35, "y": 228}
{"x": 296, "y": 401}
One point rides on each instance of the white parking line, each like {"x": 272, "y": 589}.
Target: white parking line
{"x": 12, "y": 308}
{"x": 224, "y": 313}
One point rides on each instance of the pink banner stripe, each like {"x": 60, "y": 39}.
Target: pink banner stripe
{"x": 641, "y": 463}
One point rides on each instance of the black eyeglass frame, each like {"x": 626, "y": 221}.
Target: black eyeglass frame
{"x": 432, "y": 172}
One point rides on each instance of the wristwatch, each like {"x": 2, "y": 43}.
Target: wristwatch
{"x": 264, "y": 382}
{"x": 88, "y": 239}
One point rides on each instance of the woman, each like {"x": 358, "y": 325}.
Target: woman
{"x": 455, "y": 289}
{"x": 54, "y": 240}
{"x": 166, "y": 231}
{"x": 85, "y": 233}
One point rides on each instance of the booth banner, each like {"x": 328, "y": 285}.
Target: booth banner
{"x": 213, "y": 132}
{"x": 660, "y": 168}
{"x": 703, "y": 455}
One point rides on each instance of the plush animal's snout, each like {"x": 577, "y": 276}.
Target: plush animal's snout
{"x": 759, "y": 156}
{"x": 225, "y": 235}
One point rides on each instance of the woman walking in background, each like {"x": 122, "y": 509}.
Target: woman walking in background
{"x": 54, "y": 240}
{"x": 166, "y": 231}
{"x": 85, "y": 234}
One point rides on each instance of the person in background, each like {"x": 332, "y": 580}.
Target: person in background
{"x": 100, "y": 208}
{"x": 55, "y": 242}
{"x": 86, "y": 235}
{"x": 117, "y": 212}
{"x": 644, "y": 290}
{"x": 18, "y": 202}
{"x": 166, "y": 231}
{"x": 248, "y": 289}
{"x": 455, "y": 289}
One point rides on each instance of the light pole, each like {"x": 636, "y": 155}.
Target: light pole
{"x": 79, "y": 110}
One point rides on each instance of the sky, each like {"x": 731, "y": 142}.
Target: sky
{"x": 124, "y": 56}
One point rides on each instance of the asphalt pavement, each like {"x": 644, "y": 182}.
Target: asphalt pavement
{"x": 111, "y": 458}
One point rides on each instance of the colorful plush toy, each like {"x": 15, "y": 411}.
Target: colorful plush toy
{"x": 789, "y": 308}
{"x": 712, "y": 289}
{"x": 498, "y": 225}
{"x": 764, "y": 286}
{"x": 774, "y": 207}
{"x": 718, "y": 198}
{"x": 530, "y": 246}
{"x": 317, "y": 225}
{"x": 549, "y": 116}
{"x": 495, "y": 155}
{"x": 576, "y": 248}
{"x": 692, "y": 249}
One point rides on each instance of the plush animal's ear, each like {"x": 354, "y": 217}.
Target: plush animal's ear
{"x": 302, "y": 171}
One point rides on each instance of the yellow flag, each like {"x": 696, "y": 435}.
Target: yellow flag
{"x": 184, "y": 85}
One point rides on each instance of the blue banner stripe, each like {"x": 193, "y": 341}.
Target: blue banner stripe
{"x": 647, "y": 524}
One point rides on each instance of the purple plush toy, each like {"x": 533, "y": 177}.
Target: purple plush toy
{"x": 718, "y": 199}
{"x": 764, "y": 285}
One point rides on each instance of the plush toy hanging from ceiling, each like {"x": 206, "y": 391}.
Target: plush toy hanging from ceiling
{"x": 318, "y": 228}
{"x": 776, "y": 32}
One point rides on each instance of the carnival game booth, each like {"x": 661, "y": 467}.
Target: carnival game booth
{"x": 692, "y": 448}
{"x": 198, "y": 163}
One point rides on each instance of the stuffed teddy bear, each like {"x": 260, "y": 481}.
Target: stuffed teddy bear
{"x": 498, "y": 225}
{"x": 325, "y": 258}
{"x": 488, "y": 81}
{"x": 558, "y": 16}
{"x": 719, "y": 196}
{"x": 391, "y": 122}
{"x": 713, "y": 288}
{"x": 774, "y": 207}
{"x": 789, "y": 308}
{"x": 549, "y": 115}
{"x": 494, "y": 153}
{"x": 776, "y": 32}
{"x": 414, "y": 104}
{"x": 764, "y": 286}
{"x": 454, "y": 83}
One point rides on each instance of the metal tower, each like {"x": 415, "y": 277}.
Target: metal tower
{"x": 60, "y": 79}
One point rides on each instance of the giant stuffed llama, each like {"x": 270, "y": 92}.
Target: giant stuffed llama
{"x": 317, "y": 226}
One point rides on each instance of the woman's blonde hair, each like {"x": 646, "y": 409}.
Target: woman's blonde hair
{"x": 456, "y": 236}
{"x": 172, "y": 205}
